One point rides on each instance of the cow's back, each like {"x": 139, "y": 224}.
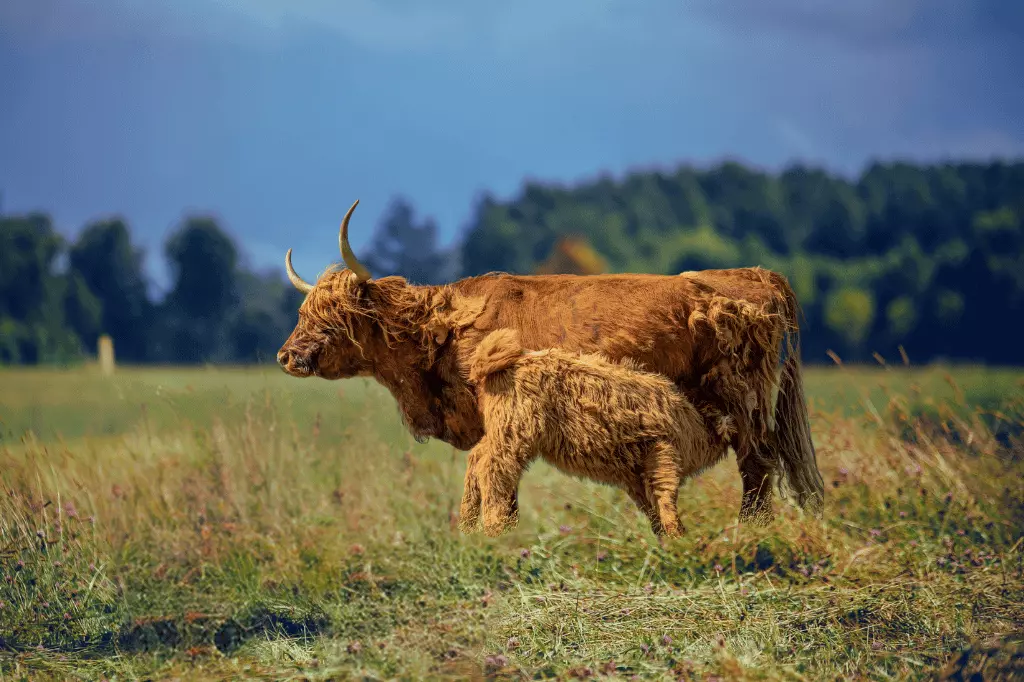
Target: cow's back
{"x": 643, "y": 317}
{"x": 639, "y": 316}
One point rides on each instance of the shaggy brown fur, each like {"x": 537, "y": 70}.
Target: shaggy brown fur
{"x": 728, "y": 339}
{"x": 585, "y": 415}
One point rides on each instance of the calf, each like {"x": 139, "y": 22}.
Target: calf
{"x": 587, "y": 416}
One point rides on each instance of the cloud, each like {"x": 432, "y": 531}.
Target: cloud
{"x": 45, "y": 21}
{"x": 796, "y": 139}
{"x": 875, "y": 24}
{"x": 978, "y": 144}
{"x": 522, "y": 29}
{"x": 366, "y": 23}
{"x": 363, "y": 23}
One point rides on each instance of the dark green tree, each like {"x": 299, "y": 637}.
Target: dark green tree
{"x": 825, "y": 214}
{"x": 33, "y": 297}
{"x": 403, "y": 245}
{"x": 195, "y": 315}
{"x": 264, "y": 317}
{"x": 105, "y": 260}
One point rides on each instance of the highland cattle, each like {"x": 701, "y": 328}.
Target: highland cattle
{"x": 728, "y": 339}
{"x": 605, "y": 421}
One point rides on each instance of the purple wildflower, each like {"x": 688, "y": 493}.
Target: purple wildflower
{"x": 496, "y": 661}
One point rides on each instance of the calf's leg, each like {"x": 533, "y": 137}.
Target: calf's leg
{"x": 472, "y": 498}
{"x": 469, "y": 508}
{"x": 498, "y": 468}
{"x": 663, "y": 481}
{"x": 638, "y": 493}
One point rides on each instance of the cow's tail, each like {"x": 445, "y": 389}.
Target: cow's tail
{"x": 497, "y": 352}
{"x": 799, "y": 475}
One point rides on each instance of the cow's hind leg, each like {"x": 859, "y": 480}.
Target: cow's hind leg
{"x": 756, "y": 470}
{"x": 663, "y": 481}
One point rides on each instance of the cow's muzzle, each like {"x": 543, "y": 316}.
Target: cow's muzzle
{"x": 296, "y": 364}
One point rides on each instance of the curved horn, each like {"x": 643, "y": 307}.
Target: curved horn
{"x": 297, "y": 282}
{"x": 362, "y": 274}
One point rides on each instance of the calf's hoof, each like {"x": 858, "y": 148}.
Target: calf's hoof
{"x": 494, "y": 527}
{"x": 493, "y": 530}
{"x": 671, "y": 532}
{"x": 469, "y": 517}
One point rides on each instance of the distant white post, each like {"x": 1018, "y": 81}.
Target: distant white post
{"x": 106, "y": 355}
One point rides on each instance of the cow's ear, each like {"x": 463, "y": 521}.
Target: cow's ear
{"x": 354, "y": 283}
{"x": 437, "y": 326}
{"x": 438, "y": 331}
{"x": 465, "y": 310}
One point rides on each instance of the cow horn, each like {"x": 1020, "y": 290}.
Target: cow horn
{"x": 298, "y": 282}
{"x": 362, "y": 274}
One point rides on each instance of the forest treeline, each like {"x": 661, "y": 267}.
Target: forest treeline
{"x": 927, "y": 257}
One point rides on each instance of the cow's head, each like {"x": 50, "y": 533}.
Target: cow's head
{"x": 330, "y": 338}
{"x": 351, "y": 325}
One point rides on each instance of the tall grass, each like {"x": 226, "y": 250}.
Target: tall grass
{"x": 244, "y": 525}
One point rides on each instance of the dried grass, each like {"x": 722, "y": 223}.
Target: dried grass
{"x": 269, "y": 542}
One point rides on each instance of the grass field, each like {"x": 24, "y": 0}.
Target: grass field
{"x": 230, "y": 523}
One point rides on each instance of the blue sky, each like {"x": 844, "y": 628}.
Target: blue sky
{"x": 275, "y": 115}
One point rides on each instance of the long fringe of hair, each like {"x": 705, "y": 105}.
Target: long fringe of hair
{"x": 400, "y": 311}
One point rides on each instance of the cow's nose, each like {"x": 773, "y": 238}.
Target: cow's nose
{"x": 283, "y": 357}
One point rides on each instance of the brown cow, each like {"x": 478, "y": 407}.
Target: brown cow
{"x": 729, "y": 339}
{"x": 606, "y": 421}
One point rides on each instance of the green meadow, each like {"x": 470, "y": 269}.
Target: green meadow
{"x": 226, "y": 523}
